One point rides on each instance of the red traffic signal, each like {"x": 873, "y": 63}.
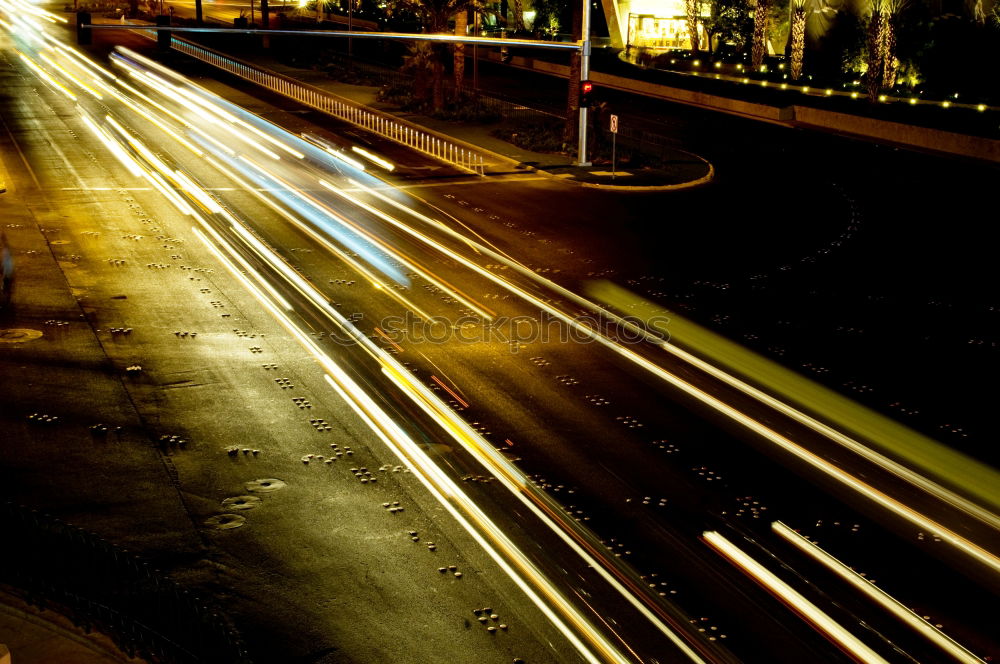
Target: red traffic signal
{"x": 586, "y": 88}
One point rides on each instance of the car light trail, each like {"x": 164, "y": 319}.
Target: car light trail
{"x": 445, "y": 491}
{"x": 962, "y": 470}
{"x": 466, "y": 436}
{"x": 66, "y": 73}
{"x": 375, "y": 159}
{"x": 113, "y": 146}
{"x": 326, "y": 147}
{"x": 450, "y": 391}
{"x": 794, "y": 600}
{"x": 452, "y": 291}
{"x": 37, "y": 11}
{"x": 315, "y": 212}
{"x": 322, "y": 240}
{"x": 428, "y": 402}
{"x": 955, "y": 650}
{"x": 45, "y": 76}
{"x": 214, "y": 104}
{"x": 962, "y": 544}
{"x": 626, "y": 301}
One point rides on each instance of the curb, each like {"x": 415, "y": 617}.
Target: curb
{"x": 705, "y": 179}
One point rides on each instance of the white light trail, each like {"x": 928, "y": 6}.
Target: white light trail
{"x": 374, "y": 158}
{"x": 125, "y": 158}
{"x": 925, "y": 523}
{"x": 794, "y": 600}
{"x": 955, "y": 650}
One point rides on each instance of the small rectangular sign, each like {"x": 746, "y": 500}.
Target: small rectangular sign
{"x": 614, "y": 124}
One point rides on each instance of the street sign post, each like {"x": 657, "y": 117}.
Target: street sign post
{"x": 614, "y": 137}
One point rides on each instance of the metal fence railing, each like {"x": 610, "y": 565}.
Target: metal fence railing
{"x": 54, "y": 565}
{"x": 388, "y": 126}
{"x": 646, "y": 142}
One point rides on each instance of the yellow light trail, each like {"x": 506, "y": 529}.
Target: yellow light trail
{"x": 481, "y": 310}
{"x": 945, "y": 534}
{"x": 975, "y": 476}
{"x": 465, "y": 435}
{"x": 514, "y": 563}
{"x": 65, "y": 72}
{"x": 45, "y": 76}
{"x": 374, "y": 158}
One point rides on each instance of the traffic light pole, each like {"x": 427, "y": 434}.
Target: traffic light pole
{"x": 581, "y": 150}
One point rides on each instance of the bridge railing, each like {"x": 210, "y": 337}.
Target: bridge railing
{"x": 413, "y": 136}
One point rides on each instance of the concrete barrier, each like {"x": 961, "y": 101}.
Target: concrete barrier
{"x": 976, "y": 147}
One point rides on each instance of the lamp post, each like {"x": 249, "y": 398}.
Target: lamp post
{"x": 581, "y": 150}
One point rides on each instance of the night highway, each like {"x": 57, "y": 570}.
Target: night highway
{"x": 651, "y": 494}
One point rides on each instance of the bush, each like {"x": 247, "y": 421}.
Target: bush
{"x": 542, "y": 135}
{"x": 399, "y": 95}
{"x": 336, "y": 70}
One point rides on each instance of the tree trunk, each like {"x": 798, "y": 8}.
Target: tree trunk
{"x": 798, "y": 39}
{"x": 518, "y": 16}
{"x": 437, "y": 67}
{"x": 889, "y": 64}
{"x": 461, "y": 29}
{"x": 760, "y": 19}
{"x": 876, "y": 59}
{"x": 692, "y": 23}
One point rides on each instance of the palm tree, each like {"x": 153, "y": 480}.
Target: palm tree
{"x": 798, "y": 37}
{"x": 435, "y": 14}
{"x": 881, "y": 55}
{"x": 760, "y": 18}
{"x": 418, "y": 63}
{"x": 518, "y": 16}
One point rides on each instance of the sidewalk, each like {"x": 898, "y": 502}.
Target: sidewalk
{"x": 682, "y": 170}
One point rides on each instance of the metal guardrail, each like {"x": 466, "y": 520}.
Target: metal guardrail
{"x": 97, "y": 585}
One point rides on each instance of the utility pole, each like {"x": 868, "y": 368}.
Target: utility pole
{"x": 581, "y": 150}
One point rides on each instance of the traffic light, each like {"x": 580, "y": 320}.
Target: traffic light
{"x": 586, "y": 93}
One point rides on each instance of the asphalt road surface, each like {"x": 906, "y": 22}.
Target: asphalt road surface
{"x": 609, "y": 457}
